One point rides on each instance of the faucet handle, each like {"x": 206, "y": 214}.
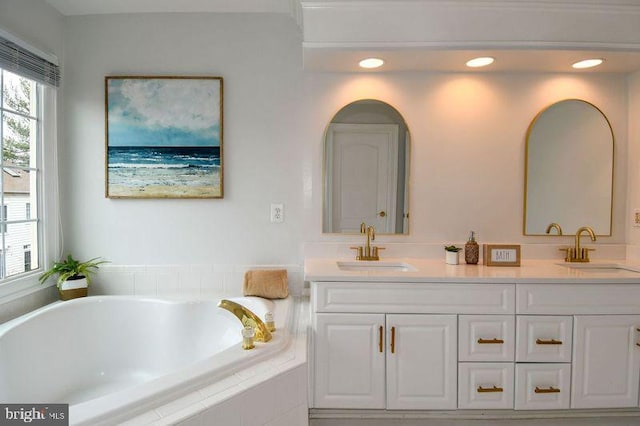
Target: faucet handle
{"x": 569, "y": 253}
{"x": 358, "y": 253}
{"x": 585, "y": 253}
{"x": 374, "y": 252}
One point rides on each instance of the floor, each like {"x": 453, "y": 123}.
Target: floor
{"x": 600, "y": 421}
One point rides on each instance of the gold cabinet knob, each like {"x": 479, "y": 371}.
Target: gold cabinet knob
{"x": 382, "y": 213}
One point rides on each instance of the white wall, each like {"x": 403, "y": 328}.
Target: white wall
{"x": 468, "y": 138}
{"x": 468, "y": 142}
{"x": 34, "y": 22}
{"x": 259, "y": 58}
{"x": 633, "y": 199}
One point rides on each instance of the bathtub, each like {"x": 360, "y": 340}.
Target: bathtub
{"x": 110, "y": 357}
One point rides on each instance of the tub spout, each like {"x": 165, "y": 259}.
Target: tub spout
{"x": 247, "y": 318}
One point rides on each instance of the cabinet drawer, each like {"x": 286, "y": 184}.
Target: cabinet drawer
{"x": 542, "y": 386}
{"x": 485, "y": 385}
{"x": 572, "y": 299}
{"x": 415, "y": 298}
{"x": 486, "y": 337}
{"x": 543, "y": 338}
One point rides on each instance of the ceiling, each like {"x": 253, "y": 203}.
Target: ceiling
{"x": 343, "y": 57}
{"x": 93, "y": 7}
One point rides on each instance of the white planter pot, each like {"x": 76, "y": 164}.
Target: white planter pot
{"x": 74, "y": 284}
{"x": 452, "y": 257}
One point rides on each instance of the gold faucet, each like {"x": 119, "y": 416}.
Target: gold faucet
{"x": 368, "y": 252}
{"x": 552, "y": 226}
{"x": 247, "y": 318}
{"x": 577, "y": 253}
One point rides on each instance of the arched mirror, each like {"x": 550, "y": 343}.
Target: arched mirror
{"x": 366, "y": 169}
{"x": 569, "y": 170}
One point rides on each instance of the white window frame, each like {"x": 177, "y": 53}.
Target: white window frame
{"x": 48, "y": 200}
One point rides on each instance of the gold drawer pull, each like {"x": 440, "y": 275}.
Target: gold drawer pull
{"x": 490, "y": 341}
{"x": 380, "y": 340}
{"x": 550, "y": 389}
{"x": 493, "y": 389}
{"x": 393, "y": 340}
{"x": 548, "y": 342}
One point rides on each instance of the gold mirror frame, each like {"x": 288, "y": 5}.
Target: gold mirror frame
{"x": 573, "y": 185}
{"x": 403, "y": 160}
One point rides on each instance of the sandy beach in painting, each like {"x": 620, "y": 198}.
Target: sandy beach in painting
{"x": 164, "y": 191}
{"x": 164, "y": 172}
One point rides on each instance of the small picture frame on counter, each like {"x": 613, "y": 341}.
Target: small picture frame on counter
{"x": 501, "y": 254}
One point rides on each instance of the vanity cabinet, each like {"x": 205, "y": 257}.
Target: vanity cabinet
{"x": 606, "y": 361}
{"x": 395, "y": 345}
{"x": 486, "y": 354}
{"x": 349, "y": 361}
{"x": 474, "y": 346}
{"x": 543, "y": 357}
{"x": 422, "y": 362}
{"x": 385, "y": 361}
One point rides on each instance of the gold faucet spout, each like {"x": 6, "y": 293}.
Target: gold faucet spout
{"x": 247, "y": 318}
{"x": 579, "y": 232}
{"x": 552, "y": 226}
{"x": 367, "y": 252}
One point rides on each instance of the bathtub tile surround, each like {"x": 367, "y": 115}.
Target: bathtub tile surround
{"x": 270, "y": 393}
{"x": 179, "y": 280}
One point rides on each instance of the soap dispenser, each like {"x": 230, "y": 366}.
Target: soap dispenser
{"x": 472, "y": 250}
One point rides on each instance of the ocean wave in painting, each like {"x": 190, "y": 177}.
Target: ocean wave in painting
{"x": 169, "y": 166}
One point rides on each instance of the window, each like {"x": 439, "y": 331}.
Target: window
{"x": 29, "y": 228}
{"x": 20, "y": 114}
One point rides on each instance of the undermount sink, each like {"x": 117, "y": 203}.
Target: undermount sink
{"x": 600, "y": 267}
{"x": 375, "y": 266}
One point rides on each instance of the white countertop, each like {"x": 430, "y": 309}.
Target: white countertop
{"x": 551, "y": 271}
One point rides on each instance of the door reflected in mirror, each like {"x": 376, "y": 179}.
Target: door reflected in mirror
{"x": 569, "y": 170}
{"x": 366, "y": 169}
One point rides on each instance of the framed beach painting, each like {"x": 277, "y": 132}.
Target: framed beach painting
{"x": 163, "y": 137}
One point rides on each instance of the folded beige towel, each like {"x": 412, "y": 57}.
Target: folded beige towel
{"x": 267, "y": 283}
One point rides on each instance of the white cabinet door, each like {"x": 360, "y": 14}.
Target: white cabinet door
{"x": 606, "y": 361}
{"x": 349, "y": 361}
{"x": 421, "y": 362}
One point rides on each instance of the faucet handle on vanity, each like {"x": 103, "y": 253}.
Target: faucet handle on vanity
{"x": 569, "y": 253}
{"x": 374, "y": 252}
{"x": 359, "y": 252}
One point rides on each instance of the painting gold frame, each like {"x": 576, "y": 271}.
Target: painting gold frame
{"x": 164, "y": 137}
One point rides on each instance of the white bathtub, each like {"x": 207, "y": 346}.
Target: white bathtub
{"x": 110, "y": 357}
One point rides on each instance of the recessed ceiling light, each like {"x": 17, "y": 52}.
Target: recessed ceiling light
{"x": 371, "y": 63}
{"x": 480, "y": 62}
{"x": 587, "y": 63}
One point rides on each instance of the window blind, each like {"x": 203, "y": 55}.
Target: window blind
{"x": 18, "y": 60}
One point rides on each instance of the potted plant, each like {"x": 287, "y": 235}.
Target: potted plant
{"x": 73, "y": 276}
{"x": 451, "y": 254}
